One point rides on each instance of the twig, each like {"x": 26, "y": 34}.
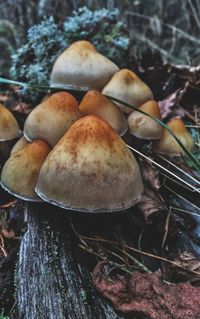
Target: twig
{"x": 98, "y": 239}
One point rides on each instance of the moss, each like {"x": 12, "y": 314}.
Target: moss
{"x": 34, "y": 60}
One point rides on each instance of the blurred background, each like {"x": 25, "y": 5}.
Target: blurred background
{"x": 33, "y": 33}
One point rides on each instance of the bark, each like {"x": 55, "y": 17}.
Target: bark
{"x": 53, "y": 275}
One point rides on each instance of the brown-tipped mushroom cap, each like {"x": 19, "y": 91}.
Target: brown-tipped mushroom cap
{"x": 81, "y": 66}
{"x": 51, "y": 119}
{"x": 20, "y": 172}
{"x": 92, "y": 170}
{"x": 167, "y": 143}
{"x": 19, "y": 145}
{"x": 126, "y": 86}
{"x": 142, "y": 126}
{"x": 95, "y": 103}
{"x": 9, "y": 128}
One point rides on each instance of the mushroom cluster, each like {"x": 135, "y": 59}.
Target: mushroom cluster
{"x": 72, "y": 154}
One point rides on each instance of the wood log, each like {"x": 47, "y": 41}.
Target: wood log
{"x": 53, "y": 274}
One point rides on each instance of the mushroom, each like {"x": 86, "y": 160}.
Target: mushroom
{"x": 92, "y": 170}
{"x": 20, "y": 172}
{"x": 19, "y": 145}
{"x": 52, "y": 118}
{"x": 126, "y": 86}
{"x": 97, "y": 104}
{"x": 167, "y": 143}
{"x": 144, "y": 127}
{"x": 81, "y": 66}
{"x": 9, "y": 128}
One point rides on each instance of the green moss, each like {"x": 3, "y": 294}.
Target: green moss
{"x": 34, "y": 60}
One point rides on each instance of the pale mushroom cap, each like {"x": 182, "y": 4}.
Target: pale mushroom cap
{"x": 81, "y": 66}
{"x": 20, "y": 172}
{"x": 126, "y": 86}
{"x": 167, "y": 143}
{"x": 51, "y": 119}
{"x": 19, "y": 145}
{"x": 95, "y": 103}
{"x": 92, "y": 170}
{"x": 9, "y": 128}
{"x": 144, "y": 127}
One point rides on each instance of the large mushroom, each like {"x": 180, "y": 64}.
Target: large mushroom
{"x": 20, "y": 172}
{"x": 95, "y": 103}
{"x": 126, "y": 86}
{"x": 51, "y": 119}
{"x": 143, "y": 126}
{"x": 168, "y": 145}
{"x": 92, "y": 170}
{"x": 81, "y": 66}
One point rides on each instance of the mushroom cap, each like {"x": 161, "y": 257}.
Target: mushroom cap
{"x": 52, "y": 118}
{"x": 167, "y": 143}
{"x": 142, "y": 126}
{"x": 20, "y": 172}
{"x": 9, "y": 128}
{"x": 92, "y": 170}
{"x": 19, "y": 145}
{"x": 126, "y": 86}
{"x": 81, "y": 66}
{"x": 96, "y": 104}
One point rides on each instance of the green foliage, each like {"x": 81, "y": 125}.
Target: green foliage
{"x": 34, "y": 60}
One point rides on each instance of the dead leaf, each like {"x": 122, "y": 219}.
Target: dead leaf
{"x": 170, "y": 105}
{"x": 146, "y": 294}
{"x": 151, "y": 201}
{"x": 21, "y": 107}
{"x": 8, "y": 233}
{"x": 188, "y": 261}
{"x": 150, "y": 174}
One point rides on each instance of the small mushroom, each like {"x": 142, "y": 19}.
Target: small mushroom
{"x": 167, "y": 143}
{"x": 19, "y": 145}
{"x": 126, "y": 86}
{"x": 52, "y": 118}
{"x": 20, "y": 172}
{"x": 81, "y": 66}
{"x": 96, "y": 104}
{"x": 144, "y": 127}
{"x": 9, "y": 128}
{"x": 92, "y": 170}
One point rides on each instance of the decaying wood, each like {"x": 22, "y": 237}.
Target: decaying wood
{"x": 53, "y": 276}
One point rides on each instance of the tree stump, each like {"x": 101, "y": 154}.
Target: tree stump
{"x": 53, "y": 273}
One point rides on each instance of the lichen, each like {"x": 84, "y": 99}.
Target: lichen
{"x": 33, "y": 61}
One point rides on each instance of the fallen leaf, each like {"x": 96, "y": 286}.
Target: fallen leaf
{"x": 146, "y": 294}
{"x": 151, "y": 201}
{"x": 8, "y": 233}
{"x": 170, "y": 105}
{"x": 188, "y": 261}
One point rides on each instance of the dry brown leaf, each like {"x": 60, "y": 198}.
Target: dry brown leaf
{"x": 150, "y": 175}
{"x": 8, "y": 233}
{"x": 188, "y": 261}
{"x": 21, "y": 107}
{"x": 170, "y": 105}
{"x": 146, "y": 294}
{"x": 151, "y": 201}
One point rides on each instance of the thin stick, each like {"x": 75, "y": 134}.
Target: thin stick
{"x": 116, "y": 265}
{"x": 179, "y": 169}
{"x": 141, "y": 252}
{"x": 163, "y": 168}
